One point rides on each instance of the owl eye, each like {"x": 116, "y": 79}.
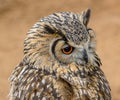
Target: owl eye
{"x": 67, "y": 49}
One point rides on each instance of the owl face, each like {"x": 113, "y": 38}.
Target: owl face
{"x": 63, "y": 38}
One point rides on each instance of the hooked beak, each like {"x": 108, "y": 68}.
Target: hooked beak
{"x": 82, "y": 59}
{"x": 85, "y": 56}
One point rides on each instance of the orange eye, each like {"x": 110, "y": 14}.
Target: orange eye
{"x": 67, "y": 50}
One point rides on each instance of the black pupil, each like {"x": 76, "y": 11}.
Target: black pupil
{"x": 67, "y": 49}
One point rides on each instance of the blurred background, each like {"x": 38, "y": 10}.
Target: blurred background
{"x": 17, "y": 17}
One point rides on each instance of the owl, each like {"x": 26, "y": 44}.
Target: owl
{"x": 60, "y": 61}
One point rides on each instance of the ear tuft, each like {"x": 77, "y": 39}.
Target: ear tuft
{"x": 86, "y": 16}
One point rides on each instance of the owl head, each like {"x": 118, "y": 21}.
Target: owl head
{"x": 61, "y": 38}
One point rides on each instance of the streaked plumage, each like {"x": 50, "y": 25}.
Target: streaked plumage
{"x": 60, "y": 62}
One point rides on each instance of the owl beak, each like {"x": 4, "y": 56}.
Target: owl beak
{"x": 85, "y": 56}
{"x": 82, "y": 58}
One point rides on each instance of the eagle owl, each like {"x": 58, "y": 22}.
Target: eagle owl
{"x": 60, "y": 61}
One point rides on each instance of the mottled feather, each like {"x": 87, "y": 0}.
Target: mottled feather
{"x": 47, "y": 73}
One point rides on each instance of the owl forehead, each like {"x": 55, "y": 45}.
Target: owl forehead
{"x": 70, "y": 25}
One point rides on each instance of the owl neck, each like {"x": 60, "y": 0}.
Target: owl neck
{"x": 73, "y": 74}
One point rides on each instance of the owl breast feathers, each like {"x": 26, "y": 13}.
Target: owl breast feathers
{"x": 60, "y": 61}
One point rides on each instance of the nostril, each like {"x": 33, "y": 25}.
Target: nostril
{"x": 85, "y": 56}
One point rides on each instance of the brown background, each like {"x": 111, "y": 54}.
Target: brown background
{"x": 17, "y": 16}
